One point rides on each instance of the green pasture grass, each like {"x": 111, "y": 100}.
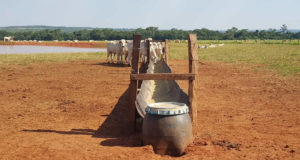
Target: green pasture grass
{"x": 251, "y": 41}
{"x": 285, "y": 59}
{"x": 25, "y": 59}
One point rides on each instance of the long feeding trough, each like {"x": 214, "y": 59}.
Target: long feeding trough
{"x": 156, "y": 97}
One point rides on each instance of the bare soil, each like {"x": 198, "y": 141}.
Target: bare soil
{"x": 77, "y": 110}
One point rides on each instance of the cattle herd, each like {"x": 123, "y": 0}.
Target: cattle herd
{"x": 123, "y": 49}
{"x": 210, "y": 46}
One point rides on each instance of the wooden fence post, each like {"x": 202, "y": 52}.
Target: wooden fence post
{"x": 133, "y": 83}
{"x": 166, "y": 50}
{"x": 193, "y": 68}
{"x": 148, "y": 51}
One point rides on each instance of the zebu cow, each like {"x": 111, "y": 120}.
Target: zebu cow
{"x": 158, "y": 49}
{"x": 122, "y": 50}
{"x": 9, "y": 38}
{"x": 118, "y": 49}
{"x": 143, "y": 52}
{"x": 212, "y": 46}
{"x": 111, "y": 50}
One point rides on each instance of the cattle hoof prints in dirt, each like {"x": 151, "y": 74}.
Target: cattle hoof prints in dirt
{"x": 227, "y": 145}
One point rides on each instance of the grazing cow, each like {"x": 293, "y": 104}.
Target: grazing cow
{"x": 220, "y": 45}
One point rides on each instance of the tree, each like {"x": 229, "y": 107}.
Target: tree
{"x": 284, "y": 28}
{"x": 230, "y": 33}
{"x": 242, "y": 34}
{"x": 154, "y": 32}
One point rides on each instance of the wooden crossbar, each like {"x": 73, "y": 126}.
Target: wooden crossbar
{"x": 162, "y": 76}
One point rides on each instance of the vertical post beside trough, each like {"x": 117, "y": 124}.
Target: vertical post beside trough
{"x": 133, "y": 83}
{"x": 193, "y": 68}
{"x": 148, "y": 51}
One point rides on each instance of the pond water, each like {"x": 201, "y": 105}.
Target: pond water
{"x": 27, "y": 49}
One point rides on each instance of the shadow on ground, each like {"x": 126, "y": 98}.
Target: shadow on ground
{"x": 111, "y": 64}
{"x": 115, "y": 128}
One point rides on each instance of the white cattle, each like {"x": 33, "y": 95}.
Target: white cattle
{"x": 122, "y": 50}
{"x": 143, "y": 52}
{"x": 212, "y": 46}
{"x": 111, "y": 50}
{"x": 9, "y": 38}
{"x": 220, "y": 45}
{"x": 118, "y": 49}
{"x": 203, "y": 47}
{"x": 158, "y": 49}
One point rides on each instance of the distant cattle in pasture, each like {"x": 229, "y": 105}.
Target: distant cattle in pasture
{"x": 177, "y": 41}
{"x": 8, "y": 38}
{"x": 202, "y": 46}
{"x": 212, "y": 46}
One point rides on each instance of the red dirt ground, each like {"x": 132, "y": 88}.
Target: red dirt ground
{"x": 77, "y": 110}
{"x": 79, "y": 44}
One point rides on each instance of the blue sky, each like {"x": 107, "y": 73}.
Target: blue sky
{"x": 165, "y": 14}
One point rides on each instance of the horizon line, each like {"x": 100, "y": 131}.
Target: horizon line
{"x": 139, "y": 27}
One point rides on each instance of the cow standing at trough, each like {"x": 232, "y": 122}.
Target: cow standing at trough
{"x": 159, "y": 49}
{"x": 123, "y": 50}
{"x": 143, "y": 52}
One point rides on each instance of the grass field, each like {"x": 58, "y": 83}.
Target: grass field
{"x": 251, "y": 41}
{"x": 285, "y": 59}
{"x": 24, "y": 59}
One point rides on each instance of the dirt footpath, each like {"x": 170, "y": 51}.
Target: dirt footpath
{"x": 77, "y": 110}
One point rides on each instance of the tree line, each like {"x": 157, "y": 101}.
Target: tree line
{"x": 110, "y": 34}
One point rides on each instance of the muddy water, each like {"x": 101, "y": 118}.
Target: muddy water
{"x": 27, "y": 49}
